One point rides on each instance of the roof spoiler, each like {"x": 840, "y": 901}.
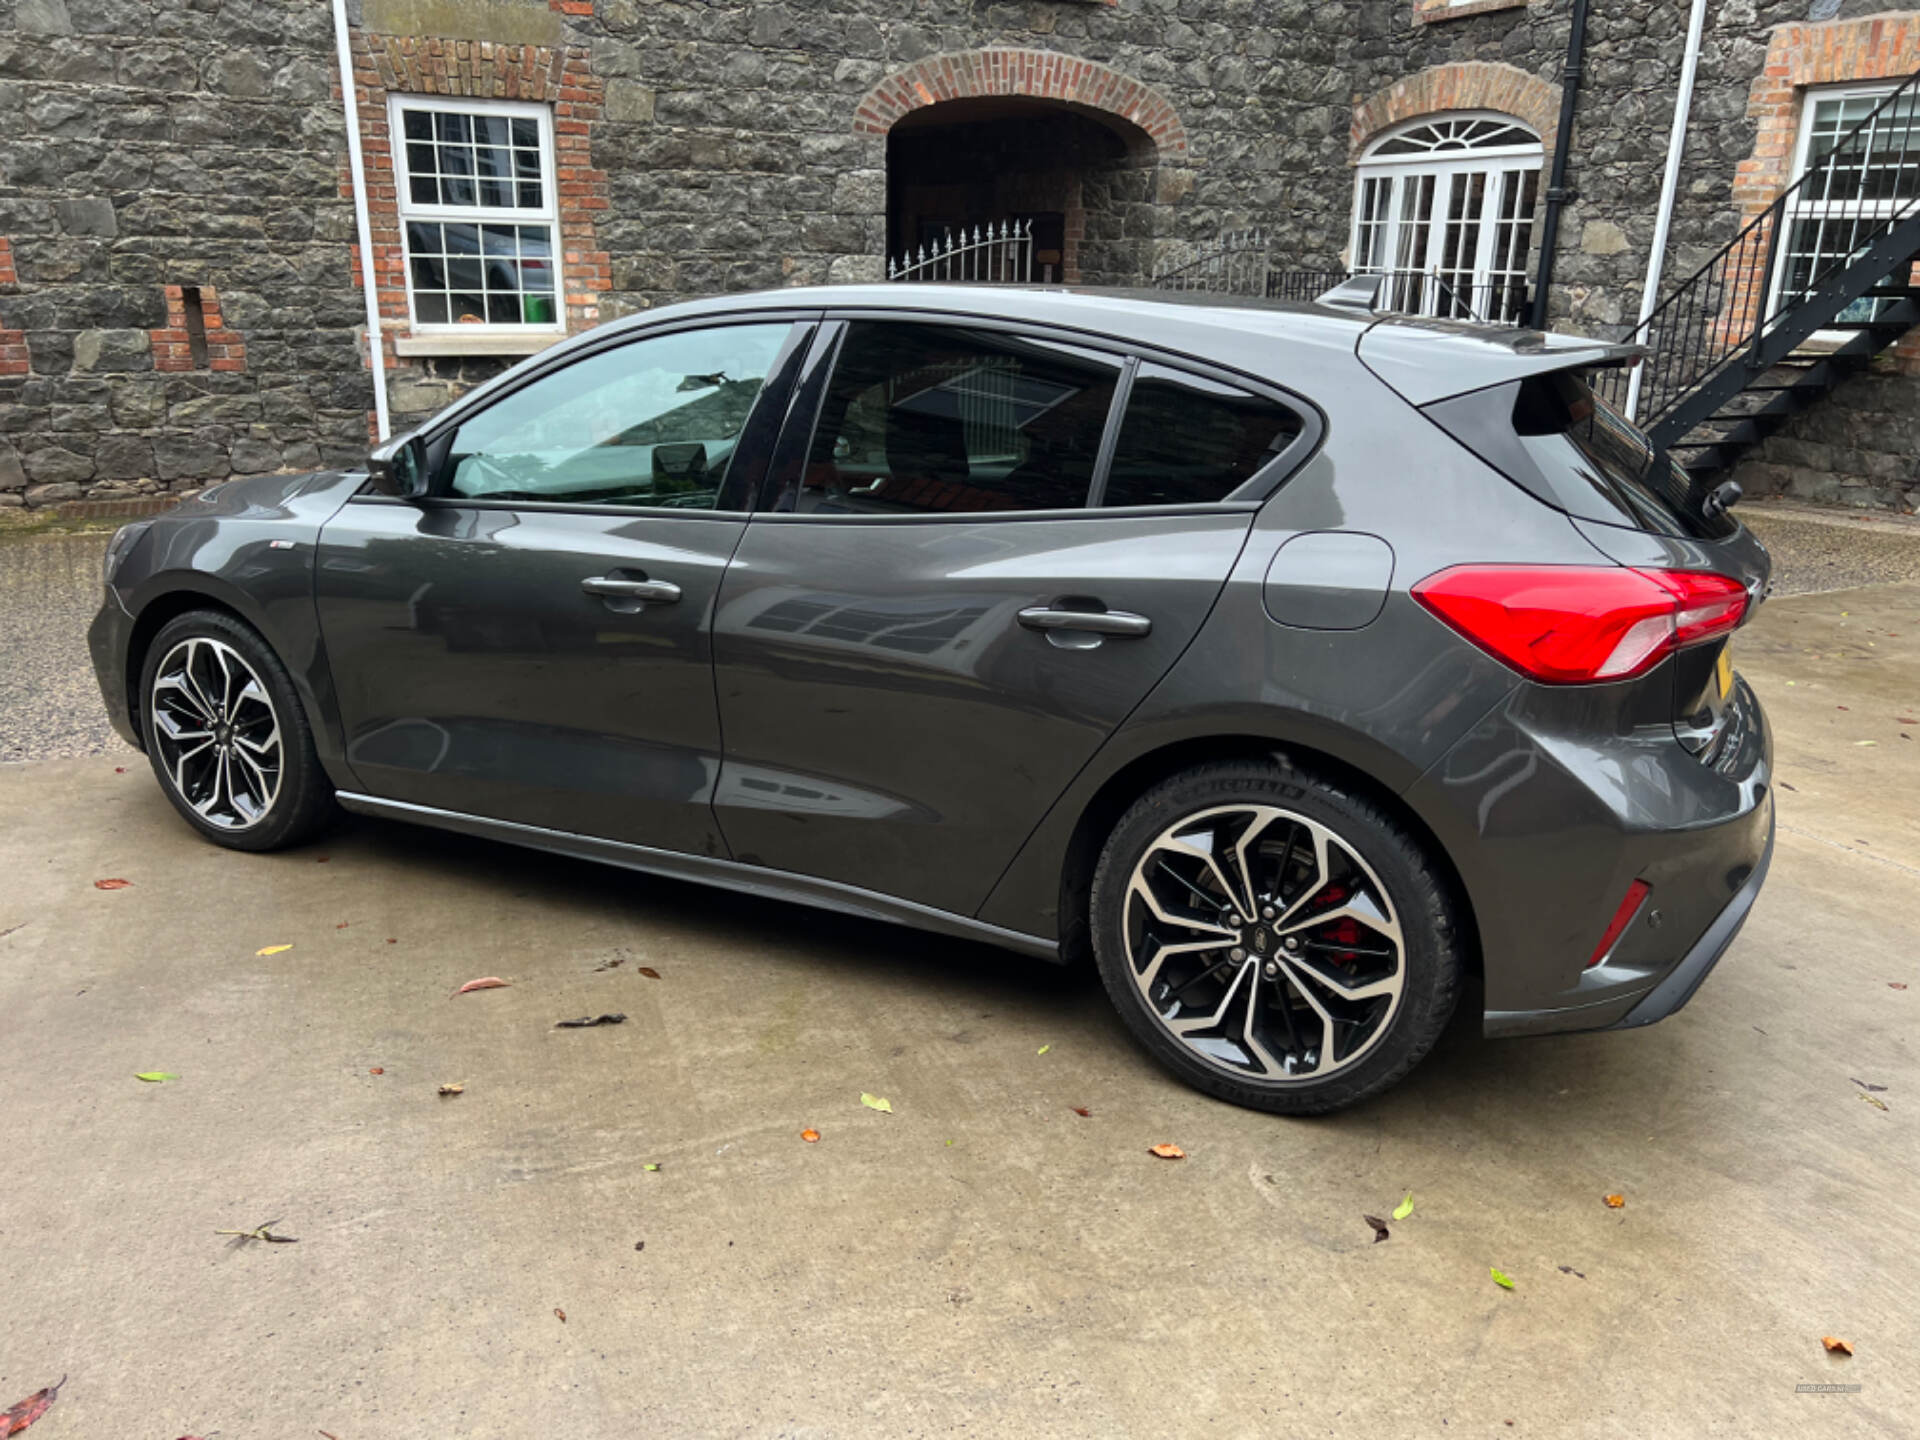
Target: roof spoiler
{"x": 1357, "y": 292}
{"x": 1427, "y": 360}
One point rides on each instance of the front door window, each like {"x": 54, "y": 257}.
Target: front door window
{"x": 1444, "y": 209}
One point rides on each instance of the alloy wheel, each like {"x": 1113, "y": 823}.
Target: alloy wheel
{"x": 1264, "y": 943}
{"x": 216, "y": 733}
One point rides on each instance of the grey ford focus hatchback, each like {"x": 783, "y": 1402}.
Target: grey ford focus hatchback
{"x": 1295, "y": 663}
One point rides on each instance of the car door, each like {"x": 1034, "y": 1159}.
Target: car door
{"x": 532, "y": 641}
{"x": 933, "y": 621}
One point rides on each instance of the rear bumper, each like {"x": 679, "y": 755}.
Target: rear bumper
{"x": 1680, "y": 983}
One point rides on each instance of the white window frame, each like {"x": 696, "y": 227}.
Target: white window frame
{"x": 1503, "y": 165}
{"x": 1810, "y": 102}
{"x": 547, "y": 214}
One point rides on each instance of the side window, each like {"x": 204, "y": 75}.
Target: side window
{"x": 1187, "y": 440}
{"x": 651, "y": 423}
{"x": 921, "y": 418}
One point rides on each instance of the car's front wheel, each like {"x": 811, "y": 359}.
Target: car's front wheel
{"x": 227, "y": 736}
{"x": 1272, "y": 938}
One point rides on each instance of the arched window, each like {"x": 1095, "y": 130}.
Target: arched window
{"x": 1444, "y": 206}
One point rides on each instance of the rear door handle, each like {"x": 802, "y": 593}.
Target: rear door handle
{"x": 662, "y": 592}
{"x": 1088, "y": 622}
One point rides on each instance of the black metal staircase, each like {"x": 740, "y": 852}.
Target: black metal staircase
{"x": 1811, "y": 289}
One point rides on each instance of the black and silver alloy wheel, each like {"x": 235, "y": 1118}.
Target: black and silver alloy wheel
{"x": 1273, "y": 938}
{"x": 215, "y": 730}
{"x": 227, "y": 735}
{"x": 1263, "y": 942}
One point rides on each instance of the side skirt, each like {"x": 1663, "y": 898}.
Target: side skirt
{"x": 727, "y": 874}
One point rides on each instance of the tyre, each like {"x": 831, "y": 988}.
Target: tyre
{"x": 227, "y": 736}
{"x": 1272, "y": 938}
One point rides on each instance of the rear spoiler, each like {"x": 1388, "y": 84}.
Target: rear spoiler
{"x": 1428, "y": 360}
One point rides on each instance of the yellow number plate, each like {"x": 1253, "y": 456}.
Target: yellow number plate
{"x": 1723, "y": 672}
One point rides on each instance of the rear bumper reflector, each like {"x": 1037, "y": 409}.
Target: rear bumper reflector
{"x": 1630, "y": 904}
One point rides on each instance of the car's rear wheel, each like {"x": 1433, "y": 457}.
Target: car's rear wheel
{"x": 227, "y": 736}
{"x": 1272, "y": 938}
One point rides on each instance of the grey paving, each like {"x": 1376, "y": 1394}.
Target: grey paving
{"x": 49, "y": 703}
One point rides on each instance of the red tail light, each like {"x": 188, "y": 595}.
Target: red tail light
{"x": 1637, "y": 893}
{"x": 1576, "y": 624}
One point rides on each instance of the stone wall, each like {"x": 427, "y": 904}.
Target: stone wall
{"x": 147, "y": 145}
{"x": 722, "y": 146}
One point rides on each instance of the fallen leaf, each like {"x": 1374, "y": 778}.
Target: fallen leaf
{"x": 1380, "y": 1231}
{"x": 119, "y": 769}
{"x": 1043, "y": 1049}
{"x": 639, "y": 1244}
{"x": 1784, "y": 786}
{"x": 155, "y": 1077}
{"x": 454, "y": 1088}
{"x": 392, "y": 941}
{"x": 272, "y": 949}
{"x": 1906, "y": 720}
{"x": 1865, "y": 1086}
{"x": 343, "y": 925}
{"x": 1569, "y": 1270}
{"x": 30, "y": 1409}
{"x": 262, "y": 1231}
{"x": 492, "y": 982}
{"x": 378, "y": 1070}
{"x": 648, "y": 971}
{"x": 1504, "y": 1281}
{"x": 876, "y": 1102}
{"x": 1615, "y": 1202}
{"x": 560, "y": 1315}
{"x": 321, "y": 859}
{"x": 1167, "y": 1152}
{"x": 649, "y": 1167}
{"x": 809, "y": 1136}
{"x": 1082, "y": 1111}
{"x": 1839, "y": 707}
{"x": 1836, "y": 1346}
{"x": 111, "y": 884}
{"x": 1404, "y": 1208}
{"x": 1858, "y": 743}
{"x": 586, "y": 1020}
{"x": 1896, "y": 984}
{"x": 1873, "y": 1100}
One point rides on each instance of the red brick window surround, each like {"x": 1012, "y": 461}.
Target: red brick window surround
{"x": 1428, "y": 12}
{"x": 558, "y": 76}
{"x": 14, "y": 359}
{"x": 1466, "y": 85}
{"x": 1800, "y": 59}
{"x": 174, "y": 344}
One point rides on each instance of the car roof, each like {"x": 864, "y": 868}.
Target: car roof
{"x": 1298, "y": 345}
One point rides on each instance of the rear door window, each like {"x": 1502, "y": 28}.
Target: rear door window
{"x": 929, "y": 418}
{"x": 1189, "y": 440}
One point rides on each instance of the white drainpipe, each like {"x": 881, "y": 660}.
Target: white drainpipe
{"x": 376, "y": 347}
{"x": 1669, "y": 186}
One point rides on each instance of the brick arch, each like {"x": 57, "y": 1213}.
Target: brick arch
{"x": 1006, "y": 70}
{"x": 1466, "y": 85}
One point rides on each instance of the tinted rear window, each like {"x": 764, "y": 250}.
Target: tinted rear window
{"x": 1602, "y": 468}
{"x": 1188, "y": 440}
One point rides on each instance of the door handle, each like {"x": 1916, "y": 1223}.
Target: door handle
{"x": 1088, "y": 622}
{"x": 662, "y": 592}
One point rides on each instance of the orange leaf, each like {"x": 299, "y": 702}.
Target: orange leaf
{"x": 30, "y": 1409}
{"x": 560, "y": 1315}
{"x": 1896, "y": 985}
{"x": 492, "y": 982}
{"x": 809, "y": 1136}
{"x": 111, "y": 884}
{"x": 378, "y": 1070}
{"x": 648, "y": 971}
{"x": 1614, "y": 1202}
{"x": 454, "y": 1088}
{"x": 1836, "y": 1345}
{"x": 1167, "y": 1152}
{"x": 1082, "y": 1111}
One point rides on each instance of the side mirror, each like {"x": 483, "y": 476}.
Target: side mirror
{"x": 399, "y": 468}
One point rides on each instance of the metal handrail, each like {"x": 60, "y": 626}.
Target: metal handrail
{"x": 996, "y": 254}
{"x": 1717, "y": 312}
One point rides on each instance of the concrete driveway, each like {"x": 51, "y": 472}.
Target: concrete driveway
{"x": 983, "y": 1260}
